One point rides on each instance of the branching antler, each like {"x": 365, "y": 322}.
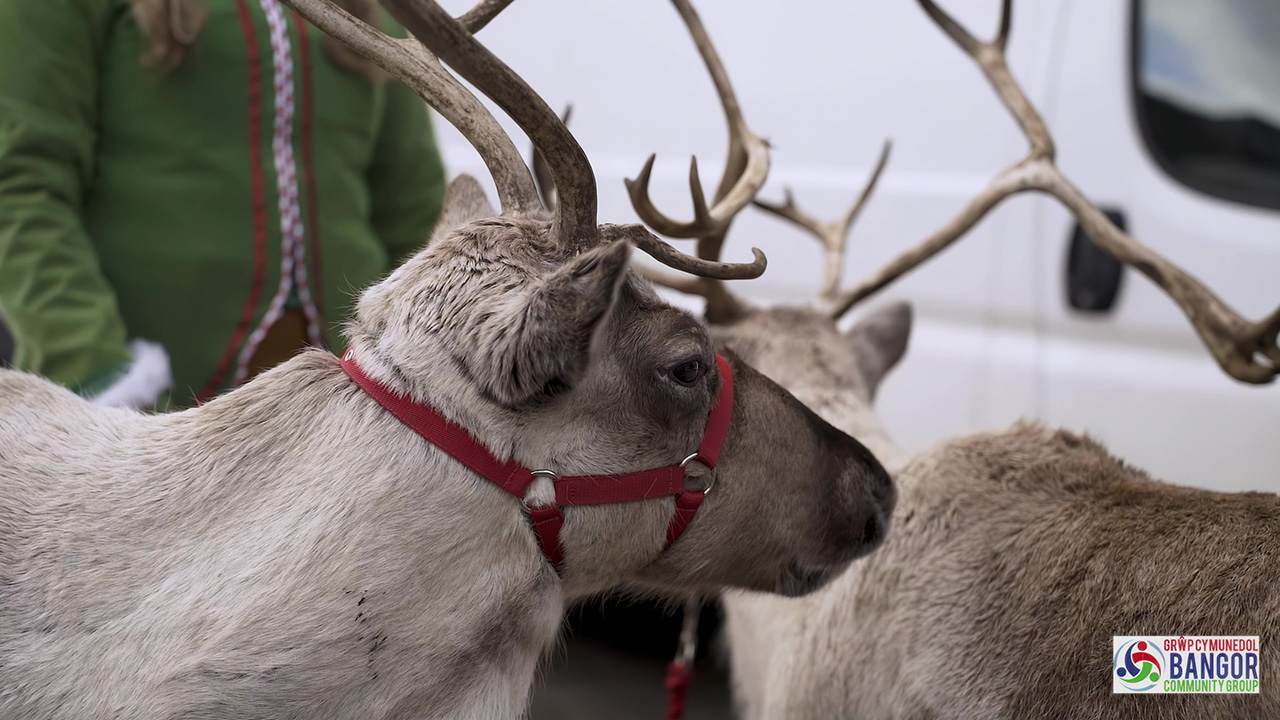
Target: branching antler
{"x": 477, "y": 17}
{"x": 744, "y": 173}
{"x": 746, "y": 169}
{"x": 410, "y": 63}
{"x": 1246, "y": 350}
{"x": 832, "y": 235}
{"x": 575, "y": 217}
{"x": 450, "y": 39}
{"x": 542, "y": 173}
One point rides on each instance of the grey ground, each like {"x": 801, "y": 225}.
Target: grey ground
{"x": 590, "y": 679}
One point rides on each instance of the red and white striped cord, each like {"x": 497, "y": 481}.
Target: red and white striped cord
{"x": 293, "y": 265}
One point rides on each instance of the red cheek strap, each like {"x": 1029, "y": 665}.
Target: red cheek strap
{"x": 570, "y": 489}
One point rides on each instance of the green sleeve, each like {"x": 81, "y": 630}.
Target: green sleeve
{"x": 406, "y": 177}
{"x": 53, "y": 296}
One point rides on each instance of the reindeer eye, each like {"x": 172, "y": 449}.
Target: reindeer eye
{"x": 687, "y": 373}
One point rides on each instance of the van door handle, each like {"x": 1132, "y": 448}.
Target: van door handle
{"x": 1093, "y": 277}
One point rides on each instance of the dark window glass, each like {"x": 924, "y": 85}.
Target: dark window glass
{"x": 1207, "y": 88}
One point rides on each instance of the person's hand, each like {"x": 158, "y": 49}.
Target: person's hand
{"x": 144, "y": 381}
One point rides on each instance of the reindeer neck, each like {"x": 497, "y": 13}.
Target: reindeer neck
{"x": 440, "y": 384}
{"x": 392, "y": 506}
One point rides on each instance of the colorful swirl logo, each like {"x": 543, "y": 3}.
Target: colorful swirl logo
{"x": 1139, "y": 665}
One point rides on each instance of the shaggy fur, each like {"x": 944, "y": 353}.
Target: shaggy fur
{"x": 291, "y": 550}
{"x": 1014, "y": 558}
{"x": 248, "y": 559}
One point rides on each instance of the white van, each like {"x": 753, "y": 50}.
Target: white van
{"x": 1166, "y": 112}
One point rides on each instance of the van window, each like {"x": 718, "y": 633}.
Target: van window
{"x": 1207, "y": 93}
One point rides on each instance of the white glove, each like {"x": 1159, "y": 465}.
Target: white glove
{"x": 146, "y": 379}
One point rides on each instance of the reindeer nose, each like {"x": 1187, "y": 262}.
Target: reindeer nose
{"x": 876, "y": 509}
{"x": 874, "y": 530}
{"x": 884, "y": 496}
{"x": 856, "y": 500}
{"x": 881, "y": 497}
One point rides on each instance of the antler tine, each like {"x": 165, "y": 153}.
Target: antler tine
{"x": 1247, "y": 351}
{"x": 575, "y": 216}
{"x": 640, "y": 236}
{"x": 410, "y": 63}
{"x": 834, "y": 236}
{"x": 542, "y": 173}
{"x": 477, "y": 17}
{"x": 788, "y": 210}
{"x": 723, "y": 307}
{"x": 851, "y": 215}
{"x": 745, "y": 170}
{"x": 990, "y": 57}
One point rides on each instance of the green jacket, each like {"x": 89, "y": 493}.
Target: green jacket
{"x": 136, "y": 203}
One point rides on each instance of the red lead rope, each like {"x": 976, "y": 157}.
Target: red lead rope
{"x": 570, "y": 490}
{"x": 679, "y": 678}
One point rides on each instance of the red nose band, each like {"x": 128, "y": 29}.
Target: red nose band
{"x": 570, "y": 489}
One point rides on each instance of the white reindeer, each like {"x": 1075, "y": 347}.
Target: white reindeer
{"x": 1015, "y": 556}
{"x": 294, "y": 550}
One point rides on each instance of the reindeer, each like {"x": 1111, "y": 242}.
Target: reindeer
{"x": 328, "y": 540}
{"x": 1015, "y": 555}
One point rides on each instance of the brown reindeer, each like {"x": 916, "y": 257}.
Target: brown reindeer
{"x": 298, "y": 548}
{"x": 1015, "y": 556}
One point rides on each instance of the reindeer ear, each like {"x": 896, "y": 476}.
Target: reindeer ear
{"x": 464, "y": 201}
{"x": 880, "y": 340}
{"x": 554, "y": 327}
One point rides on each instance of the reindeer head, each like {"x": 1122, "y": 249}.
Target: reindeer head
{"x": 527, "y": 328}
{"x": 834, "y": 373}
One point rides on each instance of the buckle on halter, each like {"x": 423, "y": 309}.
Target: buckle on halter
{"x": 710, "y": 471}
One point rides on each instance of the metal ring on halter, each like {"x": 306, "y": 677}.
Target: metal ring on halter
{"x": 685, "y": 463}
{"x": 551, "y": 475}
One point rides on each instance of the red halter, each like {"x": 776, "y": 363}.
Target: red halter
{"x": 572, "y": 489}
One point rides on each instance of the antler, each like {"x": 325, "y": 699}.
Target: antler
{"x": 542, "y": 174}
{"x": 1246, "y": 350}
{"x": 744, "y": 172}
{"x": 477, "y": 17}
{"x": 746, "y": 169}
{"x": 410, "y": 63}
{"x": 833, "y": 235}
{"x": 575, "y": 216}
{"x": 574, "y": 219}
